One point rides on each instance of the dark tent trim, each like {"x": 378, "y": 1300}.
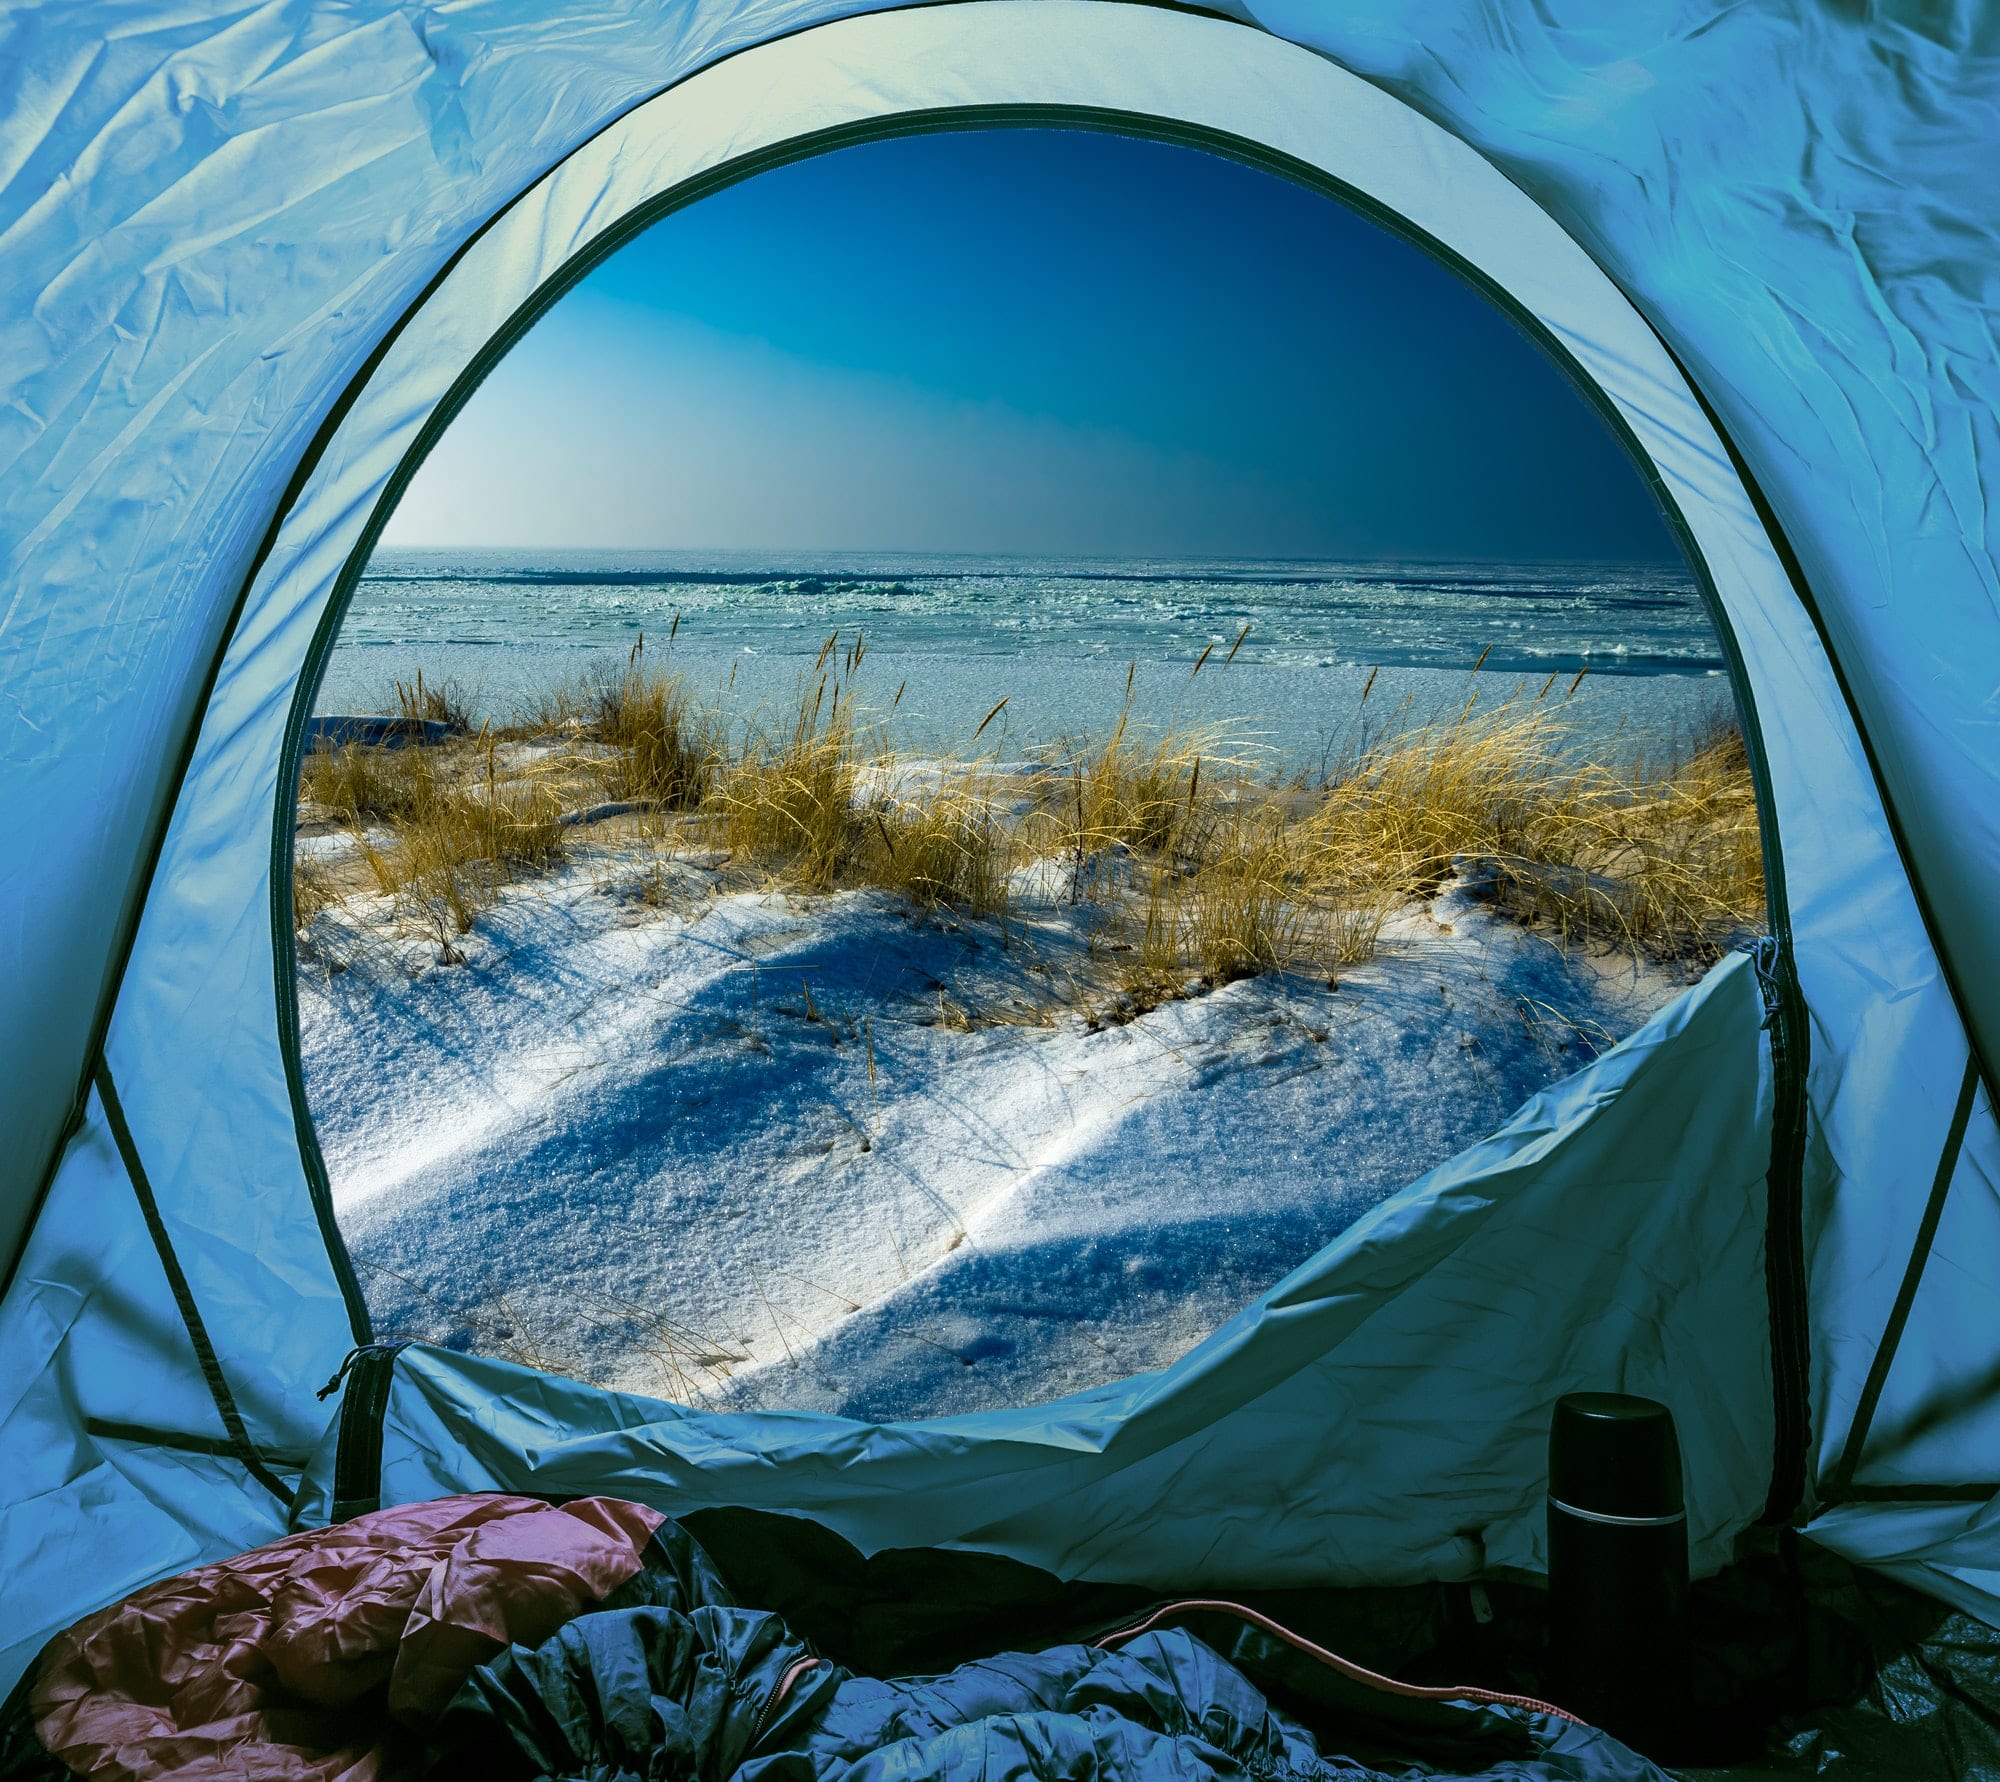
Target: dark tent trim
{"x": 1785, "y": 1262}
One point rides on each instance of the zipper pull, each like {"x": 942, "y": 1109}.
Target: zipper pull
{"x": 347, "y": 1367}
{"x": 1764, "y": 959}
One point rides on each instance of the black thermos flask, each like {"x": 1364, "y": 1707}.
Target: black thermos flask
{"x": 1618, "y": 1568}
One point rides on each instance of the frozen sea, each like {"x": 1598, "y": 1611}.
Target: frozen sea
{"x": 952, "y": 635}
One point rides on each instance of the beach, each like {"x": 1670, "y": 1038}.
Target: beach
{"x": 673, "y": 1108}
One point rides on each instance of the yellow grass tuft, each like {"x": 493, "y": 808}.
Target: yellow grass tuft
{"x": 436, "y": 702}
{"x": 665, "y": 751}
{"x": 1674, "y": 860}
{"x": 456, "y": 839}
{"x": 1133, "y": 792}
{"x": 946, "y": 849}
{"x": 1666, "y": 859}
{"x": 1234, "y": 915}
{"x": 358, "y": 782}
{"x": 788, "y": 800}
{"x": 563, "y": 710}
{"x": 1411, "y": 807}
{"x": 313, "y": 891}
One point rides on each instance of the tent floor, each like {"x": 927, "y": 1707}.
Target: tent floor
{"x": 1804, "y": 1664}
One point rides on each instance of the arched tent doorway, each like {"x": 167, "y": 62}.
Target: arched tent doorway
{"x": 167, "y": 1343}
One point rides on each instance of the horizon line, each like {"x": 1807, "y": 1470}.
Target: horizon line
{"x": 1675, "y": 560}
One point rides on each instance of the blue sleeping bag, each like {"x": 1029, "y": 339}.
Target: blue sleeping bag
{"x": 671, "y": 1680}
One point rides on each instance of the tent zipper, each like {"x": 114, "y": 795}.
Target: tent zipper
{"x": 768, "y": 1714}
{"x": 369, "y": 1373}
{"x": 1784, "y": 1230}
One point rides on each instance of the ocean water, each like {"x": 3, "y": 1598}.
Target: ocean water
{"x": 946, "y": 637}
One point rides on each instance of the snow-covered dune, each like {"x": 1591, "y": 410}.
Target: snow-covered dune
{"x": 769, "y": 1150}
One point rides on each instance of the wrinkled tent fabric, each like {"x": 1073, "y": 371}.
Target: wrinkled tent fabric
{"x": 248, "y": 253}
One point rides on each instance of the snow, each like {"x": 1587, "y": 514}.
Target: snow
{"x": 326, "y": 848}
{"x": 765, "y": 1150}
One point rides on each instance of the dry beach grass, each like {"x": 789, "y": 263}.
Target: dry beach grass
{"x": 1195, "y": 863}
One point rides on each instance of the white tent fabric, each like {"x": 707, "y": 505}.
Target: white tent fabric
{"x": 251, "y": 250}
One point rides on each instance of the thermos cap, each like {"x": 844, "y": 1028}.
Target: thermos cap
{"x": 1611, "y": 1454}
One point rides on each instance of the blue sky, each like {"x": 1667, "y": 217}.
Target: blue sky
{"x": 1030, "y": 341}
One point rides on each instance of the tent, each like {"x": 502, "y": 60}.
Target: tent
{"x": 256, "y": 254}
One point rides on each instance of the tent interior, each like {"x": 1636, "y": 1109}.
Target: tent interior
{"x": 257, "y": 261}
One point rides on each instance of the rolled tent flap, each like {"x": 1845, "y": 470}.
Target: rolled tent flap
{"x": 1380, "y": 1416}
{"x": 1946, "y": 1550}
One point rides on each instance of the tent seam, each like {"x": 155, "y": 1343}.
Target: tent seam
{"x": 1840, "y": 1485}
{"x": 243, "y": 1448}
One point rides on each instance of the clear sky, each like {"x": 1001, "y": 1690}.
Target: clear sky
{"x": 1033, "y": 341}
